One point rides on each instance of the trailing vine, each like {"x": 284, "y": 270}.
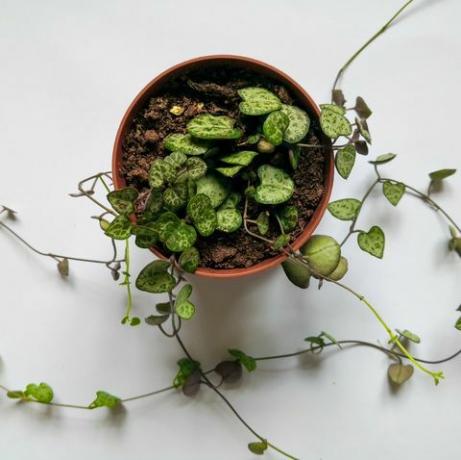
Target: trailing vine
{"x": 320, "y": 258}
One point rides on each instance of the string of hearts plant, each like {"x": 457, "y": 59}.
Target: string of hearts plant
{"x": 197, "y": 190}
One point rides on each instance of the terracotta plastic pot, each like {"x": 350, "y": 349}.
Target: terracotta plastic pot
{"x": 302, "y": 99}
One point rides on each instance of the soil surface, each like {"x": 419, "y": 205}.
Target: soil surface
{"x": 215, "y": 92}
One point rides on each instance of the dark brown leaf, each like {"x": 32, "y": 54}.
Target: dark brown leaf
{"x": 230, "y": 371}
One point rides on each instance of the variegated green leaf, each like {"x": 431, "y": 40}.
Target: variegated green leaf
{"x": 258, "y": 101}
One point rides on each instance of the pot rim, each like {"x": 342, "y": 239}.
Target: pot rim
{"x": 257, "y": 65}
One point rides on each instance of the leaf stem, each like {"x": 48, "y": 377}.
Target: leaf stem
{"x": 367, "y": 43}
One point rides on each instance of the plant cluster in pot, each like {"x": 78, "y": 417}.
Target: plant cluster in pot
{"x": 225, "y": 164}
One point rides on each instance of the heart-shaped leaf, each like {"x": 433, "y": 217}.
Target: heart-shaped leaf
{"x": 393, "y": 191}
{"x": 412, "y": 337}
{"x": 175, "y": 159}
{"x": 258, "y": 101}
{"x": 276, "y": 185}
{"x": 345, "y": 209}
{"x": 156, "y": 320}
{"x": 119, "y": 228}
{"x": 207, "y": 126}
{"x": 333, "y": 122}
{"x": 181, "y": 238}
{"x": 298, "y": 124}
{"x": 362, "y": 109}
{"x": 216, "y": 188}
{"x": 297, "y": 272}
{"x": 248, "y": 362}
{"x": 274, "y": 127}
{"x": 441, "y": 174}
{"x": 189, "y": 260}
{"x": 243, "y": 158}
{"x": 288, "y": 217}
{"x": 280, "y": 242}
{"x": 154, "y": 203}
{"x": 123, "y": 200}
{"x": 372, "y": 241}
{"x": 230, "y": 371}
{"x": 146, "y": 235}
{"x": 175, "y": 197}
{"x": 345, "y": 160}
{"x": 229, "y": 171}
{"x": 165, "y": 224}
{"x": 104, "y": 399}
{"x": 194, "y": 168}
{"x": 322, "y": 253}
{"x": 363, "y": 129}
{"x": 186, "y": 144}
{"x": 400, "y": 373}
{"x": 42, "y": 392}
{"x": 258, "y": 447}
{"x": 229, "y": 220}
{"x": 154, "y": 278}
{"x": 202, "y": 214}
{"x": 384, "y": 158}
{"x": 160, "y": 172}
{"x": 262, "y": 222}
{"x": 186, "y": 310}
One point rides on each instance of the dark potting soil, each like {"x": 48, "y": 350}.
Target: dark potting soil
{"x": 214, "y": 91}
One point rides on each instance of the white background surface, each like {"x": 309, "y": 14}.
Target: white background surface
{"x": 68, "y": 71}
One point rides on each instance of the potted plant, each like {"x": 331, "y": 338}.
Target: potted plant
{"x": 228, "y": 153}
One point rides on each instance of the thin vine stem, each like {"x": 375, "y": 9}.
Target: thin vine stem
{"x": 57, "y": 257}
{"x": 368, "y": 42}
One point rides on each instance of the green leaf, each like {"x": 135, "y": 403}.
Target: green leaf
{"x": 276, "y": 185}
{"x": 345, "y": 209}
{"x": 16, "y": 394}
{"x": 340, "y": 271}
{"x": 186, "y": 368}
{"x": 297, "y": 272}
{"x": 393, "y": 191}
{"x": 146, "y": 235}
{"x": 253, "y": 139}
{"x": 185, "y": 310}
{"x": 135, "y": 321}
{"x": 174, "y": 197}
{"x": 156, "y": 320}
{"x": 258, "y": 101}
{"x": 288, "y": 217}
{"x": 281, "y": 241}
{"x": 322, "y": 253}
{"x": 258, "y": 447}
{"x": 298, "y": 124}
{"x": 316, "y": 341}
{"x": 229, "y": 220}
{"x": 160, "y": 172}
{"x": 333, "y": 122}
{"x": 441, "y": 174}
{"x": 229, "y": 171}
{"x": 189, "y": 260}
{"x": 345, "y": 160}
{"x": 262, "y": 222}
{"x": 104, "y": 399}
{"x": 165, "y": 224}
{"x": 243, "y": 158}
{"x": 372, "y": 241}
{"x": 409, "y": 335}
{"x": 195, "y": 168}
{"x": 385, "y": 158}
{"x": 362, "y": 109}
{"x": 274, "y": 127}
{"x": 186, "y": 144}
{"x": 400, "y": 373}
{"x": 458, "y": 324}
{"x": 175, "y": 159}
{"x": 123, "y": 200}
{"x": 248, "y": 362}
{"x": 201, "y": 211}
{"x": 363, "y": 129}
{"x": 154, "y": 278}
{"x": 232, "y": 200}
{"x": 154, "y": 203}
{"x": 119, "y": 228}
{"x": 294, "y": 155}
{"x": 216, "y": 188}
{"x": 207, "y": 126}
{"x": 163, "y": 308}
{"x": 181, "y": 238}
{"x": 42, "y": 392}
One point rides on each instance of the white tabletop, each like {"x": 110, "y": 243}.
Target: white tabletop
{"x": 68, "y": 72}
